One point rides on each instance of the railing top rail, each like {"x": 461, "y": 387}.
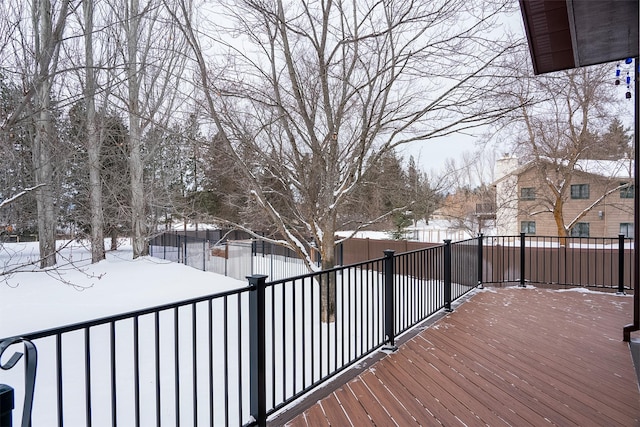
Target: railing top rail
{"x": 328, "y": 271}
{"x": 127, "y": 315}
{"x": 536, "y": 236}
{"x": 434, "y": 247}
{"x": 459, "y": 242}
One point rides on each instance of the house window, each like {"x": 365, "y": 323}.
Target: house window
{"x": 627, "y": 192}
{"x": 527, "y": 193}
{"x": 581, "y": 229}
{"x": 626, "y": 229}
{"x": 528, "y": 227}
{"x": 580, "y": 191}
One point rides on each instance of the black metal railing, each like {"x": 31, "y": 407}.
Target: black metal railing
{"x": 199, "y": 362}
{"x": 238, "y": 357}
{"x": 592, "y": 262}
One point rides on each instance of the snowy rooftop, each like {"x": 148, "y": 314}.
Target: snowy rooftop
{"x": 622, "y": 168}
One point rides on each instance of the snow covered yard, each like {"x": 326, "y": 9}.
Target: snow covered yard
{"x": 37, "y": 300}
{"x": 32, "y": 301}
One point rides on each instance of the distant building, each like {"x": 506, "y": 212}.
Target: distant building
{"x": 602, "y": 188}
{"x": 466, "y": 213}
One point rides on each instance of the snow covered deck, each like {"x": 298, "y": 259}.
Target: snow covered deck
{"x": 505, "y": 357}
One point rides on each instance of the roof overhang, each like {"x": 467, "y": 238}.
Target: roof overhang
{"x": 565, "y": 34}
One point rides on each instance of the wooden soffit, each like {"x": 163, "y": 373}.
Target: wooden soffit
{"x": 565, "y": 34}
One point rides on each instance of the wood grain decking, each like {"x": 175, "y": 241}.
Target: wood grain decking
{"x": 518, "y": 357}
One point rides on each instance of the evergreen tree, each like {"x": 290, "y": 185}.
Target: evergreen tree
{"x": 16, "y": 173}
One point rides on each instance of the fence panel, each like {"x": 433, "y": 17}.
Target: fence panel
{"x": 239, "y": 259}
{"x": 319, "y": 324}
{"x": 418, "y": 286}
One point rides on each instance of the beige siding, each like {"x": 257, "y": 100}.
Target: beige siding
{"x": 604, "y": 219}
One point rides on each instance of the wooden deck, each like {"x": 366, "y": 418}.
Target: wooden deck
{"x": 510, "y": 356}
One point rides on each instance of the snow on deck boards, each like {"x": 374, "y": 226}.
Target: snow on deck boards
{"x": 506, "y": 357}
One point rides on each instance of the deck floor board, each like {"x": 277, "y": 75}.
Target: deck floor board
{"x": 508, "y": 356}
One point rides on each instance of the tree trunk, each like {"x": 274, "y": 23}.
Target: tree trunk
{"x": 328, "y": 281}
{"x": 43, "y": 138}
{"x": 559, "y": 218}
{"x": 43, "y": 174}
{"x": 138, "y": 217}
{"x": 114, "y": 238}
{"x": 94, "y": 143}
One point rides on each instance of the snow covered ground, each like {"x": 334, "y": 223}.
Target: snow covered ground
{"x": 32, "y": 301}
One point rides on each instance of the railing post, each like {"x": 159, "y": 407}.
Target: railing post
{"x": 522, "y": 260}
{"x": 480, "y": 261}
{"x": 389, "y": 301}
{"x": 447, "y": 275}
{"x": 6, "y": 405}
{"x": 257, "y": 349}
{"x": 204, "y": 255}
{"x": 620, "y": 264}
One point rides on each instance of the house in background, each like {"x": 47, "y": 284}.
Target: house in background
{"x": 466, "y": 213}
{"x": 600, "y": 191}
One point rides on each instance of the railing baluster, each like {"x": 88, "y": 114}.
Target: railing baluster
{"x": 156, "y": 338}
{"x": 304, "y": 335}
{"x": 294, "y": 344}
{"x": 342, "y": 313}
{"x": 194, "y": 361}
{"x": 312, "y": 324}
{"x": 87, "y": 376}
{"x": 136, "y": 370}
{"x": 284, "y": 341}
{"x": 59, "y": 379}
{"x": 240, "y": 354}
{"x": 361, "y": 310}
{"x": 176, "y": 362}
{"x": 274, "y": 365}
{"x": 225, "y": 356}
{"x": 112, "y": 346}
{"x": 522, "y": 260}
{"x": 211, "y": 371}
{"x": 351, "y": 314}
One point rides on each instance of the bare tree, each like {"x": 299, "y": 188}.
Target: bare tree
{"x": 559, "y": 123}
{"x": 138, "y": 217}
{"x": 47, "y": 33}
{"x": 469, "y": 199}
{"x": 326, "y": 89}
{"x": 321, "y": 91}
{"x": 94, "y": 142}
